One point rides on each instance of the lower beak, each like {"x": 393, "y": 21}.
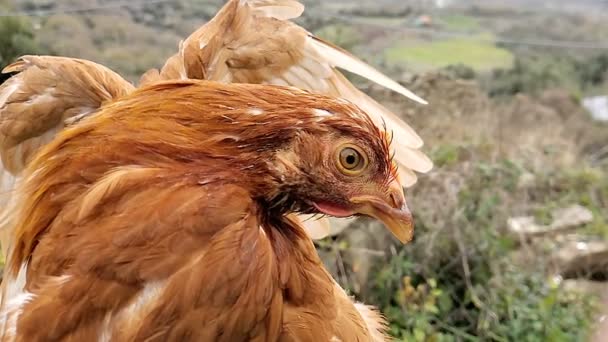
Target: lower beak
{"x": 392, "y": 211}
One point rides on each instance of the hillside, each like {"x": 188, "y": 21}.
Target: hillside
{"x": 387, "y": 33}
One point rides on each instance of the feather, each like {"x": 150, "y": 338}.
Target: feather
{"x": 401, "y": 131}
{"x": 279, "y": 9}
{"x": 114, "y": 181}
{"x": 7, "y": 187}
{"x": 344, "y": 60}
{"x": 406, "y": 176}
{"x": 316, "y": 227}
{"x": 45, "y": 95}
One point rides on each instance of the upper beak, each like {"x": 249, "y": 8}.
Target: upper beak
{"x": 389, "y": 208}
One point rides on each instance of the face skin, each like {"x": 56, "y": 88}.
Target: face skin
{"x": 342, "y": 176}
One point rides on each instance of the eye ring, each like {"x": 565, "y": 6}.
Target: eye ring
{"x": 351, "y": 160}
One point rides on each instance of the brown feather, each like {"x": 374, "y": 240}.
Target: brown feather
{"x": 47, "y": 94}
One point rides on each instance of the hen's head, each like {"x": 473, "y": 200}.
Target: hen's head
{"x": 338, "y": 163}
{"x": 294, "y": 151}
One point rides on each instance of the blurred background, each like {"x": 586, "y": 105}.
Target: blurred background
{"x": 512, "y": 224}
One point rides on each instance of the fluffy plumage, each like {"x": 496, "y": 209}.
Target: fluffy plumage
{"x": 249, "y": 41}
{"x": 164, "y": 217}
{"x": 47, "y": 94}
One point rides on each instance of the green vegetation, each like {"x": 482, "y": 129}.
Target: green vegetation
{"x": 534, "y": 74}
{"x": 16, "y": 39}
{"x": 478, "y": 52}
{"x": 458, "y": 22}
{"x": 341, "y": 35}
{"x": 458, "y": 281}
{"x": 531, "y": 75}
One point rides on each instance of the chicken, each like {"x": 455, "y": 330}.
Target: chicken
{"x": 165, "y": 217}
{"x": 247, "y": 42}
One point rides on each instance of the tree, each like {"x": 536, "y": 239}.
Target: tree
{"x": 16, "y": 39}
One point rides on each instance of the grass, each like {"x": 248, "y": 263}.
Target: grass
{"x": 456, "y": 22}
{"x": 478, "y": 52}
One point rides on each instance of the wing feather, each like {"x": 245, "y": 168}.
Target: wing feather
{"x": 340, "y": 58}
{"x": 47, "y": 91}
{"x": 45, "y": 95}
{"x": 279, "y": 9}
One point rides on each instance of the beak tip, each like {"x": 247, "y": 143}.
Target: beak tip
{"x": 404, "y": 234}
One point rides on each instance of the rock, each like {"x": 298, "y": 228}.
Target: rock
{"x": 524, "y": 225}
{"x": 571, "y": 217}
{"x": 577, "y": 258}
{"x": 584, "y": 286}
{"x": 563, "y": 220}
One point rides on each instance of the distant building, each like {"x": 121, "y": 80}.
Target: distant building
{"x": 424, "y": 21}
{"x": 597, "y": 106}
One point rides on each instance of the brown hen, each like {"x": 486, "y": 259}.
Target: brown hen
{"x": 165, "y": 217}
{"x": 249, "y": 41}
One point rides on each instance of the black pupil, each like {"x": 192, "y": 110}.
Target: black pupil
{"x": 351, "y": 159}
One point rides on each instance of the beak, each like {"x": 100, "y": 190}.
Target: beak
{"x": 389, "y": 208}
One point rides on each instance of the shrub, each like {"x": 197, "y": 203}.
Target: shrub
{"x": 459, "y": 281}
{"x": 16, "y": 39}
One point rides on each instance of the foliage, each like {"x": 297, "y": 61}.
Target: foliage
{"x": 461, "y": 71}
{"x": 16, "y": 39}
{"x": 459, "y": 282}
{"x": 341, "y": 35}
{"x": 593, "y": 71}
{"x": 532, "y": 74}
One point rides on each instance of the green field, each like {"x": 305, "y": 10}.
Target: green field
{"x": 480, "y": 53}
{"x": 456, "y": 22}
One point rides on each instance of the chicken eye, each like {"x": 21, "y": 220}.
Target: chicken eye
{"x": 351, "y": 160}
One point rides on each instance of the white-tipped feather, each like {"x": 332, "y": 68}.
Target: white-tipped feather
{"x": 7, "y": 185}
{"x": 282, "y": 9}
{"x": 278, "y": 81}
{"x": 296, "y": 78}
{"x": 416, "y": 160}
{"x": 320, "y": 70}
{"x": 342, "y": 59}
{"x": 407, "y": 177}
{"x": 317, "y": 228}
{"x": 401, "y": 131}
{"x": 7, "y": 90}
{"x": 308, "y": 78}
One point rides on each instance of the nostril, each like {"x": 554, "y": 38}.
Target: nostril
{"x": 397, "y": 201}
